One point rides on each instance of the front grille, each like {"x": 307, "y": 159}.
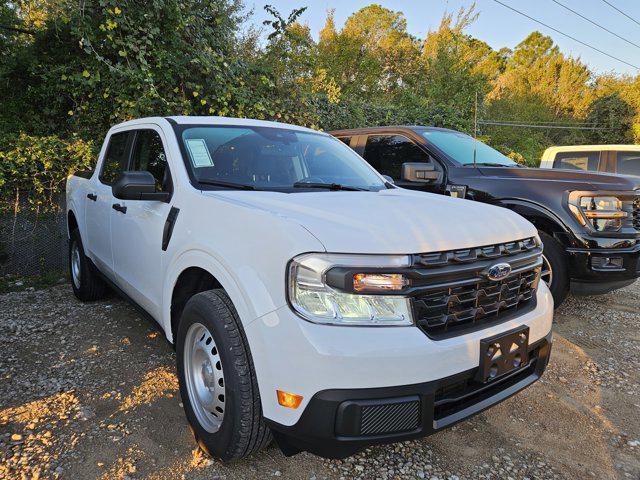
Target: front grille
{"x": 630, "y": 205}
{"x": 468, "y": 255}
{"x": 635, "y": 215}
{"x": 390, "y": 418}
{"x": 457, "y": 296}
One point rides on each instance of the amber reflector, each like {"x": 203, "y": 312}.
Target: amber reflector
{"x": 289, "y": 400}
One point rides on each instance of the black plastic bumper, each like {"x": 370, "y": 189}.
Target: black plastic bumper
{"x": 338, "y": 423}
{"x": 590, "y": 274}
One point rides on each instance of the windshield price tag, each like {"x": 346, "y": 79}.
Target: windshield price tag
{"x": 457, "y": 191}
{"x": 199, "y": 152}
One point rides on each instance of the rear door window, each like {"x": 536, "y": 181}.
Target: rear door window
{"x": 387, "y": 153}
{"x": 577, "y": 160}
{"x": 629, "y": 163}
{"x": 116, "y": 159}
{"x": 149, "y": 155}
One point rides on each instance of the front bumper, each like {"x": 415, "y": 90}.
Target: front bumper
{"x": 327, "y": 364}
{"x": 589, "y": 273}
{"x": 338, "y": 423}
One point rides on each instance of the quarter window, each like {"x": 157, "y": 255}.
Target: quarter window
{"x": 149, "y": 155}
{"x": 577, "y": 160}
{"x": 629, "y": 163}
{"x": 387, "y": 153}
{"x": 115, "y": 160}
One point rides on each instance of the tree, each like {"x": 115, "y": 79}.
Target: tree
{"x": 612, "y": 113}
{"x": 537, "y": 67}
{"x": 372, "y": 55}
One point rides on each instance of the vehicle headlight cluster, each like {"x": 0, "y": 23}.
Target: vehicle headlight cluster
{"x": 602, "y": 213}
{"x": 318, "y": 302}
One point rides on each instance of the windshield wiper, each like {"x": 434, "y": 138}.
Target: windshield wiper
{"x": 491, "y": 164}
{"x": 329, "y": 186}
{"x": 222, "y": 183}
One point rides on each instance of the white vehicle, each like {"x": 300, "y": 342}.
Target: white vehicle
{"x": 620, "y": 159}
{"x": 308, "y": 298}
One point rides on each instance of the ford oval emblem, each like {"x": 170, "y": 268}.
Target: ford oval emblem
{"x": 498, "y": 271}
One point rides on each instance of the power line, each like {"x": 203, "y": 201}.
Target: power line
{"x": 528, "y": 125}
{"x": 596, "y": 24}
{"x": 620, "y": 11}
{"x": 566, "y": 35}
{"x": 536, "y": 122}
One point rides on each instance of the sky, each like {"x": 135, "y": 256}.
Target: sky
{"x": 499, "y": 26}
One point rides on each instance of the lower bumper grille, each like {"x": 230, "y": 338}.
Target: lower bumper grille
{"x": 390, "y": 418}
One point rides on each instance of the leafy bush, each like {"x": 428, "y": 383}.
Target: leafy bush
{"x": 35, "y": 169}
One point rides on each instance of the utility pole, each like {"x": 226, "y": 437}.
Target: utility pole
{"x": 475, "y": 130}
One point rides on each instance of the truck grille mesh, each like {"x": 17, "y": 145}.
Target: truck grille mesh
{"x": 631, "y": 205}
{"x": 390, "y": 418}
{"x": 468, "y": 300}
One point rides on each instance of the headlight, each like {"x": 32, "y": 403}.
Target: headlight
{"x": 602, "y": 213}
{"x": 317, "y": 302}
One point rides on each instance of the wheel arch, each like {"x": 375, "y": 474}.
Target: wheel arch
{"x": 541, "y": 217}
{"x": 195, "y": 271}
{"x": 72, "y": 222}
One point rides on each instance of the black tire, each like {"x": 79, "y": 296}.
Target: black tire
{"x": 243, "y": 430}
{"x": 555, "y": 255}
{"x": 89, "y": 287}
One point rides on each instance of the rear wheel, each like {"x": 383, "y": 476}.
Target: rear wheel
{"x": 85, "y": 281}
{"x": 217, "y": 379}
{"x": 554, "y": 268}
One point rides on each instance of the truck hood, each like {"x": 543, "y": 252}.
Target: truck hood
{"x": 575, "y": 178}
{"x": 390, "y": 221}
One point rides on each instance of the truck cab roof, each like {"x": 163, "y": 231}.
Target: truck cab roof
{"x": 213, "y": 120}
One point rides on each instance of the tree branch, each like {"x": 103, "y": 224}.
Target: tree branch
{"x": 18, "y": 30}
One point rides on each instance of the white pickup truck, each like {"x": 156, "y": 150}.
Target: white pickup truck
{"x": 308, "y": 298}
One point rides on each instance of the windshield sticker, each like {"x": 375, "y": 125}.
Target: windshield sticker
{"x": 199, "y": 152}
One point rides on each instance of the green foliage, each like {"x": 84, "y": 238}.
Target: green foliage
{"x": 612, "y": 113}
{"x": 36, "y": 168}
{"x": 72, "y": 69}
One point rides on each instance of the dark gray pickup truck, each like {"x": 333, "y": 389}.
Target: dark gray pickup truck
{"x": 589, "y": 222}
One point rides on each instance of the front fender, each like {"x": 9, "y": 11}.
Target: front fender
{"x": 537, "y": 214}
{"x": 231, "y": 284}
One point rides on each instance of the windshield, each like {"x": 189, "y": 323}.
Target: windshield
{"x": 274, "y": 159}
{"x": 459, "y": 147}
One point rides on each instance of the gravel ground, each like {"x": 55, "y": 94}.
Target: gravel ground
{"x": 89, "y": 391}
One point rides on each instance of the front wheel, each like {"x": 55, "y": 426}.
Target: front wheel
{"x": 554, "y": 268}
{"x": 217, "y": 379}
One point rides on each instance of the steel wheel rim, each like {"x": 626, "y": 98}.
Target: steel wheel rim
{"x": 546, "y": 273}
{"x": 204, "y": 377}
{"x": 76, "y": 271}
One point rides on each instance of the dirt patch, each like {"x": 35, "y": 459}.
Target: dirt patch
{"x": 89, "y": 391}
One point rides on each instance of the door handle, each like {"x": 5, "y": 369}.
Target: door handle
{"x": 92, "y": 196}
{"x": 119, "y": 208}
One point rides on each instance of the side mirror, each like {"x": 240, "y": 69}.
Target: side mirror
{"x": 137, "y": 186}
{"x": 420, "y": 172}
{"x": 389, "y": 179}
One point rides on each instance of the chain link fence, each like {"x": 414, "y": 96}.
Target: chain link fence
{"x": 33, "y": 243}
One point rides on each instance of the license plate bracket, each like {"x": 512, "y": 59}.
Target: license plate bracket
{"x": 503, "y": 354}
